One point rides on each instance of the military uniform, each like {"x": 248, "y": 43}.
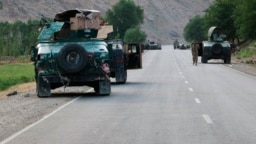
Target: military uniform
{"x": 194, "y": 50}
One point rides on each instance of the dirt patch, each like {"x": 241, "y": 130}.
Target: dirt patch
{"x": 22, "y": 88}
{"x": 25, "y": 108}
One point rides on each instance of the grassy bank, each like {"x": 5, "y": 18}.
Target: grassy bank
{"x": 13, "y": 74}
{"x": 248, "y": 50}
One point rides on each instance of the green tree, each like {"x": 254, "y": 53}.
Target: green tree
{"x": 194, "y": 30}
{"x": 220, "y": 14}
{"x": 124, "y": 15}
{"x": 17, "y": 38}
{"x": 134, "y": 35}
{"x": 4, "y": 38}
{"x": 244, "y": 15}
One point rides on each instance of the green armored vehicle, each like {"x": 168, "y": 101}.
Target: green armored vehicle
{"x": 71, "y": 51}
{"x": 216, "y": 47}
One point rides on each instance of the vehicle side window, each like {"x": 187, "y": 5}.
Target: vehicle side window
{"x": 132, "y": 49}
{"x": 63, "y": 33}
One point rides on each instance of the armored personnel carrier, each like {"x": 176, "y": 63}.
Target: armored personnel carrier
{"x": 71, "y": 51}
{"x": 215, "y": 47}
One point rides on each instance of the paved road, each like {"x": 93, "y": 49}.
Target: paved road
{"x": 169, "y": 101}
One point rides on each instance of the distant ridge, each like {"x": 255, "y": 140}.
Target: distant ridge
{"x": 164, "y": 19}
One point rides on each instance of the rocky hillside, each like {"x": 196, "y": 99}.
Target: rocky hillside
{"x": 164, "y": 19}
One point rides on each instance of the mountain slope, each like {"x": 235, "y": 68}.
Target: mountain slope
{"x": 164, "y": 19}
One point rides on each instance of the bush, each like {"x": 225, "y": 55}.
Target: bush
{"x": 248, "y": 52}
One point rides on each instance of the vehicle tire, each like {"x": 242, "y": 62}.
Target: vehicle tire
{"x": 217, "y": 49}
{"x": 72, "y": 58}
{"x": 96, "y": 88}
{"x": 204, "y": 59}
{"x": 43, "y": 88}
{"x": 227, "y": 60}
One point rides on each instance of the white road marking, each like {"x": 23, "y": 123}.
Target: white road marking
{"x": 197, "y": 100}
{"x": 186, "y": 82}
{"x": 39, "y": 121}
{"x": 207, "y": 119}
{"x": 190, "y": 89}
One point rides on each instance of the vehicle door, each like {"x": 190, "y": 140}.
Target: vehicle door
{"x": 134, "y": 55}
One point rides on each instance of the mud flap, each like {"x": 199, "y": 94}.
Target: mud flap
{"x": 104, "y": 87}
{"x": 121, "y": 76}
{"x": 43, "y": 87}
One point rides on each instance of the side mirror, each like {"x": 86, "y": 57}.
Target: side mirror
{"x": 44, "y": 22}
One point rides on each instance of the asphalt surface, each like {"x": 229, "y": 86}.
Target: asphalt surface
{"x": 169, "y": 101}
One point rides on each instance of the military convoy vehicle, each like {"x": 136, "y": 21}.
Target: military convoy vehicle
{"x": 181, "y": 46}
{"x": 215, "y": 47}
{"x": 176, "y": 44}
{"x": 152, "y": 45}
{"x": 72, "y": 51}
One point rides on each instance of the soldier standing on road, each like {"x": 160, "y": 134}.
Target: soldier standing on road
{"x": 194, "y": 50}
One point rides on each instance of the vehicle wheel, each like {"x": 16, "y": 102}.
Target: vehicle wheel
{"x": 217, "y": 49}
{"x": 72, "y": 58}
{"x": 204, "y": 59}
{"x": 227, "y": 60}
{"x": 96, "y": 88}
{"x": 43, "y": 87}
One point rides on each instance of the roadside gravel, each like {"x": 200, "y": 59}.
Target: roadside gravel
{"x": 19, "y": 111}
{"x": 246, "y": 68}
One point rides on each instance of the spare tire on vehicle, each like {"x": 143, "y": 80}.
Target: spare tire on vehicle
{"x": 72, "y": 58}
{"x": 217, "y": 49}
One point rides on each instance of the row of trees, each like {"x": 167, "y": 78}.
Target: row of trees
{"x": 235, "y": 17}
{"x": 17, "y": 38}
